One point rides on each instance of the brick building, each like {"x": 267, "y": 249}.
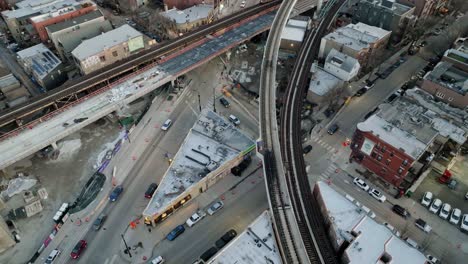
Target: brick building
{"x": 394, "y": 143}
{"x": 424, "y": 8}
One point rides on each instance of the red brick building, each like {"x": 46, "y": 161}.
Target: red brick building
{"x": 42, "y": 21}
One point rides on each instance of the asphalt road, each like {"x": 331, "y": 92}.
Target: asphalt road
{"x": 106, "y": 243}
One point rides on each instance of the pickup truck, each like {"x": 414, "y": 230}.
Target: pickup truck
{"x": 421, "y": 224}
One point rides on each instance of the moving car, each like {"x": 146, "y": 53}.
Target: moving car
{"x": 333, "y": 128}
{"x": 224, "y": 102}
{"x": 158, "y": 260}
{"x": 455, "y": 216}
{"x": 115, "y": 193}
{"x": 151, "y": 189}
{"x": 234, "y": 120}
{"x": 360, "y": 92}
{"x": 445, "y": 211}
{"x": 421, "y": 224}
{"x": 52, "y": 256}
{"x": 361, "y": 184}
{"x": 78, "y": 249}
{"x": 377, "y": 195}
{"x": 166, "y": 125}
{"x": 99, "y": 221}
{"x": 427, "y": 199}
{"x": 175, "y": 232}
{"x": 400, "y": 211}
{"x": 464, "y": 223}
{"x": 435, "y": 206}
{"x": 195, "y": 218}
{"x": 215, "y": 207}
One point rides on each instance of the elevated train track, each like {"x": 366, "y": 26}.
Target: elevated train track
{"x": 107, "y": 77}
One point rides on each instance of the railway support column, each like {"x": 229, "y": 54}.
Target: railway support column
{"x": 54, "y": 145}
{"x": 319, "y": 8}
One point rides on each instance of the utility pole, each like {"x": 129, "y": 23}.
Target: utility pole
{"x": 214, "y": 99}
{"x": 126, "y": 246}
{"x": 199, "y": 101}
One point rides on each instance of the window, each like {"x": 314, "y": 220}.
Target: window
{"x": 400, "y": 170}
{"x": 373, "y": 155}
{"x": 379, "y": 158}
{"x": 115, "y": 54}
{"x": 388, "y": 161}
{"x": 405, "y": 162}
{"x": 391, "y": 154}
{"x": 102, "y": 58}
{"x": 440, "y": 95}
{"x": 384, "y": 148}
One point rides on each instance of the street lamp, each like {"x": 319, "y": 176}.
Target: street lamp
{"x": 126, "y": 246}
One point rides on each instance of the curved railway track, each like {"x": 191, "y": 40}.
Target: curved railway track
{"x": 106, "y": 76}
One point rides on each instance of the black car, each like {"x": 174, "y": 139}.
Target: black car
{"x": 208, "y": 254}
{"x": 360, "y": 92}
{"x": 400, "y": 211}
{"x": 307, "y": 149}
{"x": 224, "y": 102}
{"x": 229, "y": 235}
{"x": 333, "y": 128}
{"x": 391, "y": 98}
{"x": 99, "y": 221}
{"x": 150, "y": 191}
{"x": 220, "y": 243}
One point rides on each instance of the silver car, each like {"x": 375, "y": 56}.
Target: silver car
{"x": 215, "y": 207}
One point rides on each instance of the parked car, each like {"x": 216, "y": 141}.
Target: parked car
{"x": 78, "y": 249}
{"x": 307, "y": 149}
{"x": 393, "y": 229}
{"x": 208, "y": 254}
{"x": 435, "y": 206}
{"x": 421, "y": 224}
{"x": 226, "y": 238}
{"x": 116, "y": 193}
{"x": 377, "y": 195}
{"x": 464, "y": 223}
{"x": 52, "y": 256}
{"x": 432, "y": 259}
{"x": 392, "y": 97}
{"x": 224, "y": 102}
{"x": 361, "y": 184}
{"x": 150, "y": 191}
{"x": 333, "y": 128}
{"x": 99, "y": 221}
{"x": 455, "y": 216}
{"x": 400, "y": 211}
{"x": 166, "y": 125}
{"x": 427, "y": 199}
{"x": 445, "y": 211}
{"x": 360, "y": 92}
{"x": 158, "y": 260}
{"x": 234, "y": 120}
{"x": 195, "y": 218}
{"x": 215, "y": 207}
{"x": 369, "y": 85}
{"x": 175, "y": 232}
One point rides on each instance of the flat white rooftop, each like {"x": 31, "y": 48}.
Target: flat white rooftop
{"x": 294, "y": 30}
{"x": 372, "y": 239}
{"x": 357, "y": 36}
{"x": 188, "y": 15}
{"x": 254, "y": 245}
{"x": 211, "y": 142}
{"x": 323, "y": 82}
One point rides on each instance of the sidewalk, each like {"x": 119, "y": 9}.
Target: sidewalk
{"x": 78, "y": 224}
{"x": 143, "y": 239}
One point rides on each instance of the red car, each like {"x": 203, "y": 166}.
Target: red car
{"x": 80, "y": 246}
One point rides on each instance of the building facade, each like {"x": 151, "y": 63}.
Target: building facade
{"x": 67, "y": 35}
{"x": 386, "y": 14}
{"x": 359, "y": 41}
{"x": 190, "y": 18}
{"x": 107, "y": 48}
{"x": 425, "y": 8}
{"x": 341, "y": 65}
{"x": 293, "y": 33}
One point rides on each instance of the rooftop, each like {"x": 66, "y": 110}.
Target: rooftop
{"x": 75, "y": 21}
{"x": 44, "y": 7}
{"x": 341, "y": 60}
{"x": 72, "y": 39}
{"x": 412, "y": 127}
{"x": 109, "y": 39}
{"x": 323, "y": 82}
{"x": 460, "y": 55}
{"x": 245, "y": 249}
{"x": 392, "y": 5}
{"x": 357, "y": 36}
{"x": 371, "y": 239}
{"x": 188, "y": 15}
{"x": 294, "y": 30}
{"x": 449, "y": 76}
{"x": 39, "y": 59}
{"x": 211, "y": 142}
{"x": 461, "y": 44}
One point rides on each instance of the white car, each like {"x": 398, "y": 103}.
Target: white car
{"x": 158, "y": 260}
{"x": 445, "y": 211}
{"x": 52, "y": 256}
{"x": 166, "y": 125}
{"x": 427, "y": 199}
{"x": 464, "y": 223}
{"x": 215, "y": 207}
{"x": 361, "y": 184}
{"x": 234, "y": 120}
{"x": 195, "y": 218}
{"x": 435, "y": 206}
{"x": 377, "y": 195}
{"x": 455, "y": 216}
